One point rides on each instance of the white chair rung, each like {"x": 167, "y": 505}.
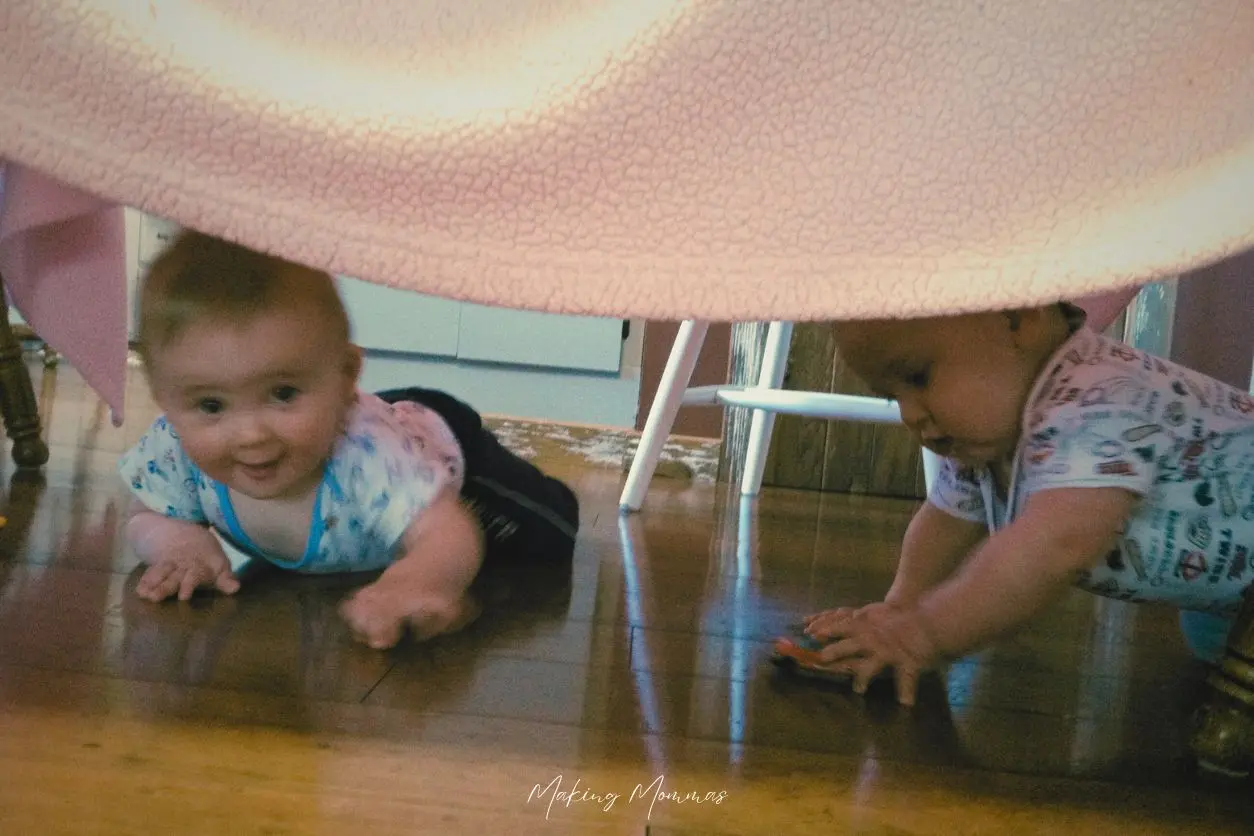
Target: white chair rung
{"x": 765, "y": 399}
{"x": 813, "y": 404}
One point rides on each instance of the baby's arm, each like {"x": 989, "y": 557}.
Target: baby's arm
{"x": 426, "y": 588}
{"x": 935, "y": 542}
{"x": 1014, "y": 575}
{"x": 180, "y": 556}
{"x": 1026, "y": 566}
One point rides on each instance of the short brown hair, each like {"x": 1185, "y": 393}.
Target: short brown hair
{"x": 199, "y": 275}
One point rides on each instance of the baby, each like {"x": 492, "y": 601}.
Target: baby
{"x": 1068, "y": 459}
{"x": 266, "y": 444}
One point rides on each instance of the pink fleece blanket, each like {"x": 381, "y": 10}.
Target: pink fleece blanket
{"x": 715, "y": 158}
{"x": 64, "y": 267}
{"x": 62, "y": 259}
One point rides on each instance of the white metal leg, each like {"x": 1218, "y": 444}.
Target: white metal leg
{"x": 670, "y": 396}
{"x": 931, "y": 466}
{"x": 766, "y": 399}
{"x": 774, "y": 365}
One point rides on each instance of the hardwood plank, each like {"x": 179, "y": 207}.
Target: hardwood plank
{"x": 273, "y": 637}
{"x": 796, "y": 454}
{"x": 869, "y": 458}
{"x": 846, "y": 454}
{"x": 896, "y": 462}
{"x": 213, "y": 763}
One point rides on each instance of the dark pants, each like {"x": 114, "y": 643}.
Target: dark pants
{"x": 525, "y": 513}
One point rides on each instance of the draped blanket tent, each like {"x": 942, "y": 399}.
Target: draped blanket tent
{"x": 704, "y": 159}
{"x": 714, "y": 159}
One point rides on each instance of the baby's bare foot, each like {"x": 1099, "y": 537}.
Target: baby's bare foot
{"x": 378, "y": 614}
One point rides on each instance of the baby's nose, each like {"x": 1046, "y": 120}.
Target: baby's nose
{"x": 913, "y": 414}
{"x": 250, "y": 429}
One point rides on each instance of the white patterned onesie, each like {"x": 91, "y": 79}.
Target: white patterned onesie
{"x": 1106, "y": 415}
{"x": 391, "y": 462}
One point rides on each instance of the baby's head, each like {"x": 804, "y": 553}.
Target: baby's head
{"x": 250, "y": 358}
{"x": 962, "y": 381}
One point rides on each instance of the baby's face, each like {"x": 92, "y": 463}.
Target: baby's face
{"x": 961, "y": 381}
{"x": 258, "y": 404}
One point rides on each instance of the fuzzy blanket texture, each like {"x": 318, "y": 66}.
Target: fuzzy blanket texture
{"x": 716, "y": 159}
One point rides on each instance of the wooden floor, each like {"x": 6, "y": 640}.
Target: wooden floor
{"x": 647, "y": 667}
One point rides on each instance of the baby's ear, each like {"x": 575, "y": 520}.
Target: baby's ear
{"x": 1021, "y": 317}
{"x": 1032, "y": 326}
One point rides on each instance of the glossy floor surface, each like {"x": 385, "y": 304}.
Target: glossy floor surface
{"x": 633, "y": 695}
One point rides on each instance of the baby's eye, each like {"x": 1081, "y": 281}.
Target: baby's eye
{"x": 285, "y": 394}
{"x": 209, "y": 406}
{"x": 919, "y": 379}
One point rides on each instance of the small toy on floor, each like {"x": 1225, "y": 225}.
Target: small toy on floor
{"x": 799, "y": 654}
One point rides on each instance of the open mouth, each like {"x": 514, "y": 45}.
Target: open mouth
{"x": 261, "y": 471}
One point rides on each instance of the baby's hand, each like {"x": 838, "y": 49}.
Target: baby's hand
{"x": 826, "y": 624}
{"x": 876, "y": 637}
{"x": 186, "y": 570}
{"x": 378, "y": 614}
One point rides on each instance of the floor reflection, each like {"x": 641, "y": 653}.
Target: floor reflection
{"x": 1072, "y": 685}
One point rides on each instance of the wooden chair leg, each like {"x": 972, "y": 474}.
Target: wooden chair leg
{"x": 1223, "y": 740}
{"x": 17, "y": 397}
